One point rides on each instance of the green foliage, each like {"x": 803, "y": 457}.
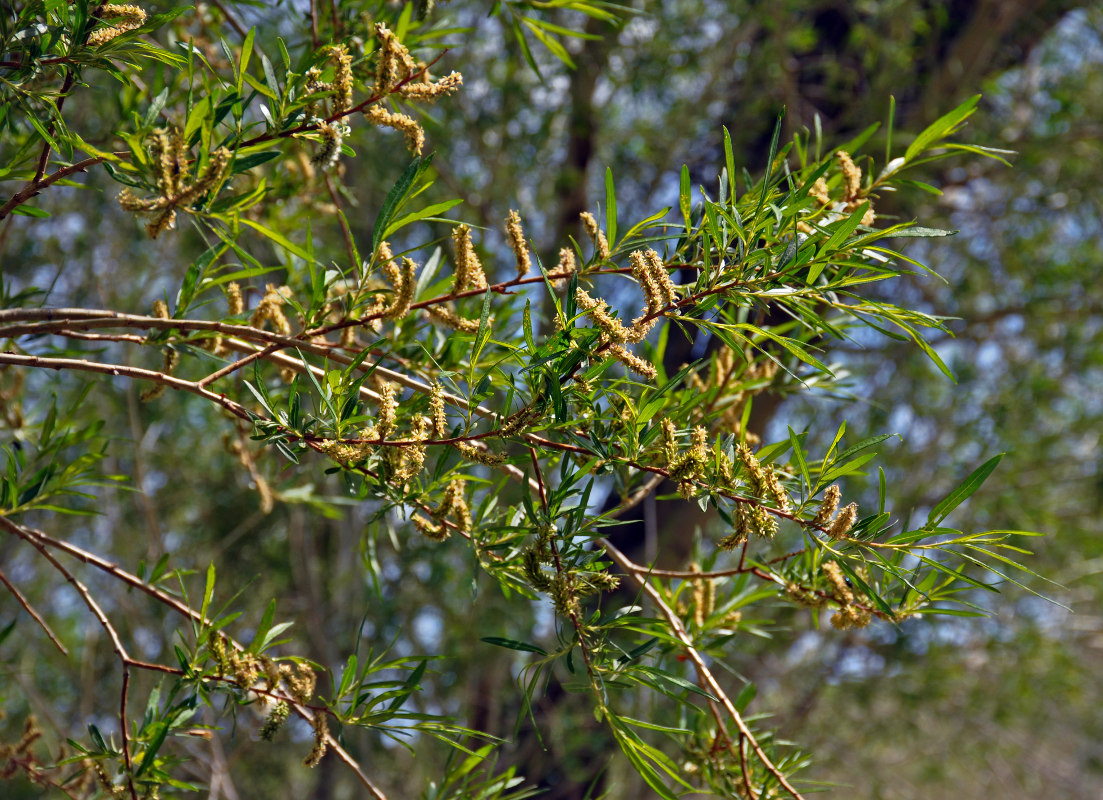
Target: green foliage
{"x": 398, "y": 383}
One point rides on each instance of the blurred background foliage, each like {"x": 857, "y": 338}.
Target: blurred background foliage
{"x": 1006, "y": 706}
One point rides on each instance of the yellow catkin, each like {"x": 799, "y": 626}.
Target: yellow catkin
{"x": 469, "y": 270}
{"x": 473, "y": 453}
{"x": 269, "y": 310}
{"x": 168, "y": 151}
{"x": 403, "y": 123}
{"x": 235, "y": 299}
{"x": 430, "y": 529}
{"x": 844, "y": 522}
{"x": 638, "y": 365}
{"x": 567, "y": 266}
{"x": 437, "y": 412}
{"x": 852, "y": 175}
{"x": 453, "y": 320}
{"x": 516, "y": 235}
{"x": 849, "y": 615}
{"x": 667, "y": 292}
{"x": 388, "y": 406}
{"x": 430, "y": 92}
{"x": 776, "y": 491}
{"x": 820, "y": 192}
{"x": 402, "y": 278}
{"x": 597, "y": 236}
{"x": 597, "y": 311}
{"x": 321, "y": 732}
{"x": 828, "y": 506}
{"x": 130, "y": 18}
{"x": 342, "y": 78}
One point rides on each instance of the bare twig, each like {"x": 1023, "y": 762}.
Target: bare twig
{"x": 116, "y": 644}
{"x": 234, "y": 22}
{"x": 119, "y": 370}
{"x": 34, "y": 614}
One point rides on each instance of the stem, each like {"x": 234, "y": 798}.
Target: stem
{"x": 702, "y": 669}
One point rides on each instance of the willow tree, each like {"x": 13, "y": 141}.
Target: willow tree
{"x": 439, "y": 389}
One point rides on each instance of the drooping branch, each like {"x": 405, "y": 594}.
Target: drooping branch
{"x": 694, "y": 656}
{"x": 44, "y": 543}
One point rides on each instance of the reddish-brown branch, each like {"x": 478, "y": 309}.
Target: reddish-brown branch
{"x": 34, "y": 614}
{"x": 116, "y": 644}
{"x": 41, "y": 541}
{"x": 703, "y": 671}
{"x": 233, "y": 21}
{"x": 118, "y": 370}
{"x": 38, "y": 184}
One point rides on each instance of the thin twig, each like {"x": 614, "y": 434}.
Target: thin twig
{"x": 116, "y": 644}
{"x": 698, "y": 662}
{"x": 350, "y": 246}
{"x": 30, "y": 610}
{"x": 41, "y": 541}
{"x": 236, "y": 24}
{"x": 119, "y": 370}
{"x": 34, "y": 187}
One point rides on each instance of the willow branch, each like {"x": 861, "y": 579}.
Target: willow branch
{"x": 116, "y": 644}
{"x": 699, "y": 663}
{"x": 43, "y": 542}
{"x": 119, "y": 370}
{"x": 34, "y": 614}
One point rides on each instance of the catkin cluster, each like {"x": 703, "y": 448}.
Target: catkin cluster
{"x": 853, "y": 195}
{"x": 565, "y": 586}
{"x": 129, "y": 18}
{"x": 659, "y": 293}
{"x": 837, "y": 527}
{"x": 168, "y": 153}
{"x": 398, "y": 73}
{"x": 268, "y": 682}
{"x": 849, "y": 615}
{"x": 454, "y": 505}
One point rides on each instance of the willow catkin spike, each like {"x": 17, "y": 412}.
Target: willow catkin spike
{"x": 516, "y": 235}
{"x": 844, "y": 522}
{"x": 469, "y": 270}
{"x": 828, "y": 506}
{"x": 852, "y": 175}
{"x": 597, "y": 236}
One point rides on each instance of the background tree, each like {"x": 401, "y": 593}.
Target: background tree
{"x": 536, "y": 144}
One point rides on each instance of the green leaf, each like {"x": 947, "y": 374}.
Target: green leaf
{"x": 160, "y": 731}
{"x": 246, "y": 52}
{"x": 941, "y": 127}
{"x": 963, "y": 492}
{"x": 196, "y": 117}
{"x": 917, "y": 232}
{"x": 729, "y": 165}
{"x": 395, "y": 197}
{"x": 513, "y": 644}
{"x": 526, "y": 325}
{"x": 428, "y": 211}
{"x": 208, "y": 592}
{"x": 844, "y": 228}
{"x": 684, "y": 197}
{"x": 279, "y": 239}
{"x": 482, "y": 335}
{"x": 30, "y": 211}
{"x": 156, "y": 107}
{"x": 244, "y": 163}
{"x": 554, "y": 45}
{"x": 769, "y": 171}
{"x": 798, "y": 454}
